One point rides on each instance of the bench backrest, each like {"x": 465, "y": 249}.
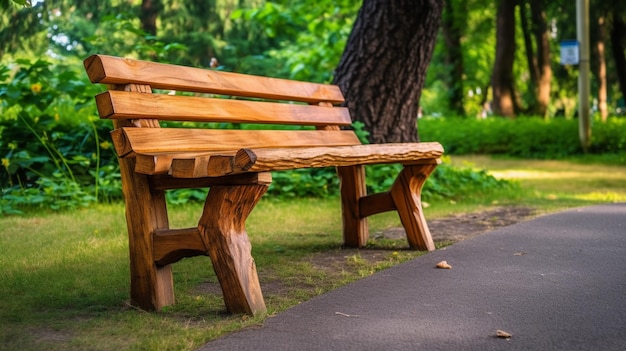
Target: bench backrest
{"x": 143, "y": 93}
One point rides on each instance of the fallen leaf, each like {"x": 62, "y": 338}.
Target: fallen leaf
{"x": 444, "y": 265}
{"x": 519, "y": 254}
{"x": 345, "y": 314}
{"x": 503, "y": 334}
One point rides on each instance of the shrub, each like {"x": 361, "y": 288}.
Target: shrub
{"x": 53, "y": 148}
{"x": 522, "y": 137}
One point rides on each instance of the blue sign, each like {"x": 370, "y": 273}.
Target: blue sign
{"x": 570, "y": 52}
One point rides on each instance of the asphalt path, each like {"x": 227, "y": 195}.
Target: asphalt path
{"x": 556, "y": 282}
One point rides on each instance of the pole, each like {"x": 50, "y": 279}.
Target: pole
{"x": 582, "y": 29}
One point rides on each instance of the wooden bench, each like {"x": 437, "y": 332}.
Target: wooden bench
{"x": 236, "y": 166}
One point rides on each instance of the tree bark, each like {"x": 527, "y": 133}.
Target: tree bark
{"x": 453, "y": 20}
{"x": 544, "y": 70}
{"x": 618, "y": 33}
{"x": 149, "y": 12}
{"x": 533, "y": 68}
{"x": 383, "y": 67}
{"x": 601, "y": 73}
{"x": 502, "y": 79}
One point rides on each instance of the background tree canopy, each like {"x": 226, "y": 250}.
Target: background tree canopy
{"x": 304, "y": 40}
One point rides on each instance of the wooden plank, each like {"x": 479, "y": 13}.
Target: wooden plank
{"x": 115, "y": 70}
{"x": 146, "y": 90}
{"x": 119, "y": 104}
{"x": 259, "y": 160}
{"x": 376, "y": 203}
{"x": 161, "y": 163}
{"x": 165, "y": 182}
{"x": 355, "y": 226}
{"x": 268, "y": 159}
{"x": 177, "y": 140}
{"x": 172, "y": 245}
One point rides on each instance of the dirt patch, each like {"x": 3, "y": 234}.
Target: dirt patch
{"x": 463, "y": 226}
{"x": 444, "y": 230}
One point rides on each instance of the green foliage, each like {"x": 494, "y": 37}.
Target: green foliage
{"x": 119, "y": 34}
{"x": 308, "y": 40}
{"x": 522, "y": 137}
{"x": 51, "y": 145}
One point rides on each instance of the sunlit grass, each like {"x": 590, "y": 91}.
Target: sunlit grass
{"x": 557, "y": 181}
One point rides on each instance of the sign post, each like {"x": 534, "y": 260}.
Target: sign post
{"x": 582, "y": 29}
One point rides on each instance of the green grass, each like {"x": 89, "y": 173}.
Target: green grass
{"x": 553, "y": 185}
{"x": 65, "y": 275}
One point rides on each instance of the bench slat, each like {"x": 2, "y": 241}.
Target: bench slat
{"x": 121, "y": 104}
{"x": 115, "y": 70}
{"x": 176, "y": 140}
{"x": 277, "y": 159}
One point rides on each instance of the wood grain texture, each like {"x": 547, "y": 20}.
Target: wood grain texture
{"x": 166, "y": 182}
{"x": 118, "y": 104}
{"x": 115, "y": 70}
{"x": 352, "y": 185}
{"x": 172, "y": 245}
{"x": 129, "y": 141}
{"x": 376, "y": 203}
{"x": 258, "y": 160}
{"x": 222, "y": 227}
{"x": 145, "y": 90}
{"x": 151, "y": 286}
{"x": 406, "y": 194}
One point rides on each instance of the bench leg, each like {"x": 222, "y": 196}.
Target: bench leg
{"x": 355, "y": 227}
{"x": 222, "y": 228}
{"x": 151, "y": 286}
{"x": 406, "y": 194}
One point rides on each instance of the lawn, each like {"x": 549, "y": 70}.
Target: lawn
{"x": 65, "y": 275}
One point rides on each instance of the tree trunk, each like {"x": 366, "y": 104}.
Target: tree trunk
{"x": 618, "y": 33}
{"x": 502, "y": 79}
{"x": 454, "y": 19}
{"x": 544, "y": 70}
{"x": 528, "y": 45}
{"x": 602, "y": 87}
{"x": 149, "y": 12}
{"x": 383, "y": 67}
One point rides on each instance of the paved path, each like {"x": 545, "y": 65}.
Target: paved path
{"x": 557, "y": 282}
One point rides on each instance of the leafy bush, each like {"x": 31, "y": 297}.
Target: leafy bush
{"x": 447, "y": 182}
{"x": 54, "y": 150}
{"x": 522, "y": 137}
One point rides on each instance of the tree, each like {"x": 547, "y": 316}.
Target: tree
{"x": 502, "y": 81}
{"x": 601, "y": 67}
{"x": 454, "y": 19}
{"x": 149, "y": 12}
{"x": 618, "y": 44}
{"x": 20, "y": 27}
{"x": 383, "y": 66}
{"x": 536, "y": 40}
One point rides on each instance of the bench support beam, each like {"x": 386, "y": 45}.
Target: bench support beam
{"x": 222, "y": 227}
{"x": 406, "y": 194}
{"x": 355, "y": 226}
{"x": 152, "y": 286}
